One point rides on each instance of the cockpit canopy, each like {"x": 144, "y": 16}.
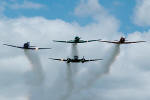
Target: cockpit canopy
{"x": 76, "y": 57}
{"x": 26, "y": 45}
{"x": 77, "y": 38}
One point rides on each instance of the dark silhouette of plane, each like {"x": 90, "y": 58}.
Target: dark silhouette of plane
{"x": 76, "y": 60}
{"x": 122, "y": 41}
{"x": 77, "y": 40}
{"x": 26, "y": 46}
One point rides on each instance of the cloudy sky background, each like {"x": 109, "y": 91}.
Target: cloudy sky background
{"x": 29, "y": 75}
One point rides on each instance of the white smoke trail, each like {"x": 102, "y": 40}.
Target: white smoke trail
{"x": 70, "y": 83}
{"x": 70, "y": 77}
{"x": 71, "y": 72}
{"x": 95, "y": 73}
{"x": 36, "y": 82}
{"x": 74, "y": 52}
{"x": 110, "y": 58}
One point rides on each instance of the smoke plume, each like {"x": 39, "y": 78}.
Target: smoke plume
{"x": 35, "y": 79}
{"x": 94, "y": 73}
{"x": 71, "y": 71}
{"x": 70, "y": 82}
{"x": 110, "y": 57}
{"x": 74, "y": 52}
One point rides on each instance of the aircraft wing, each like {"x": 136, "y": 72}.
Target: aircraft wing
{"x": 31, "y": 48}
{"x": 71, "y": 41}
{"x": 13, "y": 46}
{"x": 93, "y": 40}
{"x": 58, "y": 59}
{"x": 93, "y": 60}
{"x": 111, "y": 42}
{"x": 61, "y": 41}
{"x": 36, "y": 48}
{"x": 133, "y": 42}
{"x": 39, "y": 48}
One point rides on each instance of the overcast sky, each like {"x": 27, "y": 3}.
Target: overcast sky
{"x": 30, "y": 75}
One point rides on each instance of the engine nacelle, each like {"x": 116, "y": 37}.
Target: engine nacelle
{"x": 83, "y": 60}
{"x": 68, "y": 60}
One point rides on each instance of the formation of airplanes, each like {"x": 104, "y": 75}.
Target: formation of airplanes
{"x": 76, "y": 40}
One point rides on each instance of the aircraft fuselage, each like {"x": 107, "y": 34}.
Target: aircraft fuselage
{"x": 77, "y": 39}
{"x": 75, "y": 60}
{"x": 26, "y": 45}
{"x": 122, "y": 40}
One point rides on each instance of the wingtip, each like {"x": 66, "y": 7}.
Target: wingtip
{"x": 100, "y": 59}
{"x": 54, "y": 40}
{"x": 48, "y": 48}
{"x": 142, "y": 41}
{"x": 5, "y": 44}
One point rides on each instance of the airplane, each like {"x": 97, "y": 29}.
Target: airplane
{"x": 122, "y": 41}
{"x": 26, "y": 46}
{"x": 76, "y": 60}
{"x": 77, "y": 40}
